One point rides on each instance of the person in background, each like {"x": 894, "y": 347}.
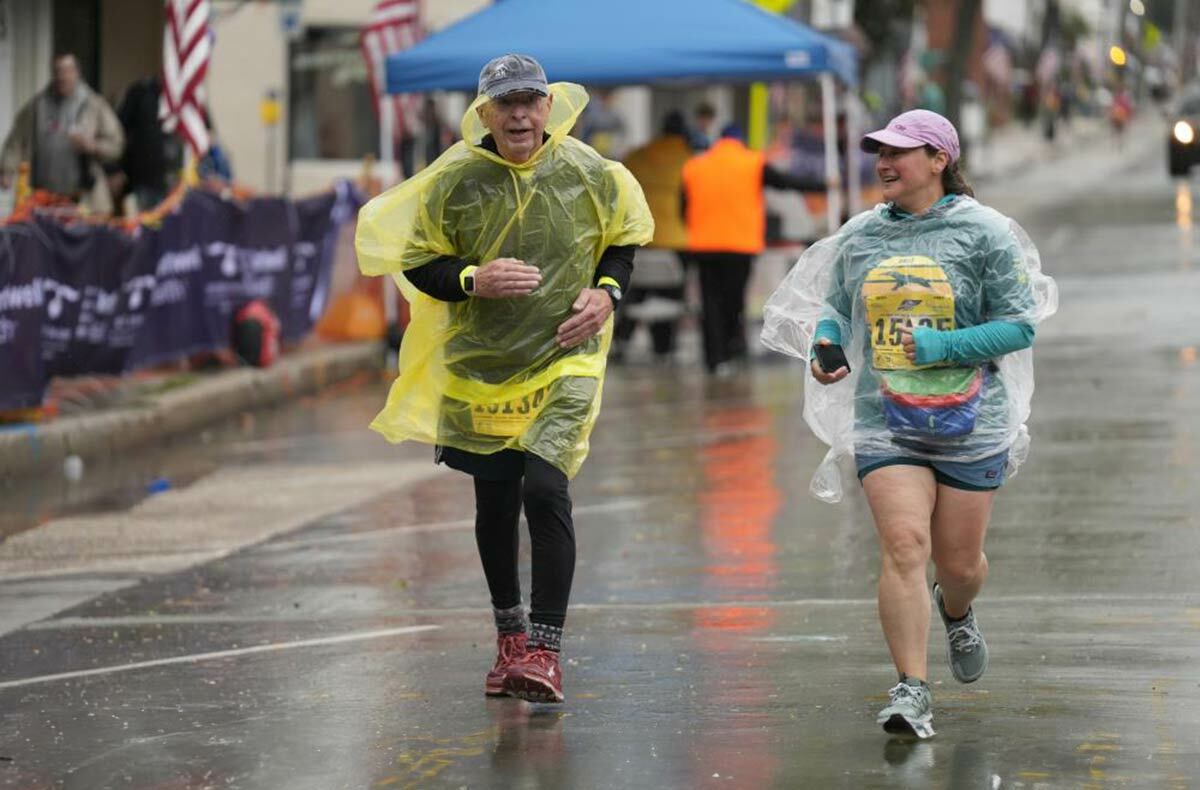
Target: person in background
{"x": 214, "y": 168}
{"x": 67, "y": 133}
{"x": 703, "y": 121}
{"x": 602, "y": 127}
{"x": 656, "y": 288}
{"x": 1120, "y": 113}
{"x": 726, "y": 226}
{"x": 152, "y": 158}
{"x": 418, "y": 151}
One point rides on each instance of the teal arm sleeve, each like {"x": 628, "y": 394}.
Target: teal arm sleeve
{"x": 828, "y": 329}
{"x": 973, "y": 344}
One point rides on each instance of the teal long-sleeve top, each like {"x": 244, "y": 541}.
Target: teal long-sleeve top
{"x": 967, "y": 346}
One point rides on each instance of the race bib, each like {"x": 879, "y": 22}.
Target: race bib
{"x": 507, "y": 418}
{"x": 901, "y": 294}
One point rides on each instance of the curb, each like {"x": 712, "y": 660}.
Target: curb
{"x": 29, "y": 449}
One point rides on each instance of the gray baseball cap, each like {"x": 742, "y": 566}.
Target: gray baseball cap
{"x": 511, "y": 73}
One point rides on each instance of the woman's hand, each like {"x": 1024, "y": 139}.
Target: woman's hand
{"x": 909, "y": 344}
{"x": 505, "y": 278}
{"x": 820, "y": 375}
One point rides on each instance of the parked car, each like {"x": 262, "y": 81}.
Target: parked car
{"x": 1183, "y": 137}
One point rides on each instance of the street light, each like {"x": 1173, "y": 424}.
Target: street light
{"x": 1116, "y": 55}
{"x": 1137, "y": 7}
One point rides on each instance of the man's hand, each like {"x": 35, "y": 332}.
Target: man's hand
{"x": 820, "y": 375}
{"x": 592, "y": 309}
{"x": 505, "y": 278}
{"x": 83, "y": 142}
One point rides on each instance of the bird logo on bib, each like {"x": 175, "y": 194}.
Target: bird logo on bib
{"x": 902, "y": 294}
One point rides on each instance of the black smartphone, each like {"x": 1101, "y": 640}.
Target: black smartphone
{"x": 831, "y": 357}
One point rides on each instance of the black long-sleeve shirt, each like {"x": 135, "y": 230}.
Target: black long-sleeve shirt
{"x": 441, "y": 277}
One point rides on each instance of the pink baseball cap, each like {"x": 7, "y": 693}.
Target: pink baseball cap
{"x": 914, "y": 129}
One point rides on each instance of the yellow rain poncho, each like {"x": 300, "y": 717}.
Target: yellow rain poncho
{"x": 484, "y": 375}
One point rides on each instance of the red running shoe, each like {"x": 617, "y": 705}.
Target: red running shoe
{"x": 509, "y": 648}
{"x": 536, "y": 677}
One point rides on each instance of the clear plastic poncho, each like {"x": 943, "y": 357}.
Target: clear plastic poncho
{"x": 483, "y": 375}
{"x": 958, "y": 265}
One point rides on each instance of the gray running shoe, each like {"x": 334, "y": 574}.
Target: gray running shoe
{"x": 965, "y": 649}
{"x": 909, "y": 712}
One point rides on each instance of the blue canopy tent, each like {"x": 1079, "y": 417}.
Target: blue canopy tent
{"x": 631, "y": 42}
{"x": 624, "y": 42}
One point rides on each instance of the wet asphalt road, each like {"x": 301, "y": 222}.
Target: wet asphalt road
{"x": 723, "y": 629}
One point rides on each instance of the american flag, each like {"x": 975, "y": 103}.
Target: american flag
{"x": 395, "y": 25}
{"x": 187, "y": 44}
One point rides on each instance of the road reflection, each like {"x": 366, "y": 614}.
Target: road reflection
{"x": 738, "y": 505}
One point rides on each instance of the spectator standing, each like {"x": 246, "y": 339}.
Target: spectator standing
{"x": 726, "y": 225}
{"x": 151, "y": 155}
{"x": 704, "y": 120}
{"x": 656, "y": 288}
{"x": 67, "y": 133}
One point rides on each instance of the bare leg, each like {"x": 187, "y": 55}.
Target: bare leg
{"x": 960, "y": 522}
{"x": 902, "y": 499}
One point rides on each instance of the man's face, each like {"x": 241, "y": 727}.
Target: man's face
{"x": 66, "y": 75}
{"x": 517, "y": 122}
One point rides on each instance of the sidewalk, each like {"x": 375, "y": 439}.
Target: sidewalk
{"x": 1011, "y": 149}
{"x": 101, "y": 420}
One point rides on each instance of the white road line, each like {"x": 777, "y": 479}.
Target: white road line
{"x": 136, "y": 621}
{"x": 241, "y": 651}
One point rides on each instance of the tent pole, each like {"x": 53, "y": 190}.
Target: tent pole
{"x": 853, "y": 152}
{"x": 833, "y": 206}
{"x": 387, "y": 143}
{"x": 387, "y": 160}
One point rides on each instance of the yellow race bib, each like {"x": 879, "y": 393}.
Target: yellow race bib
{"x": 510, "y": 417}
{"x": 900, "y": 294}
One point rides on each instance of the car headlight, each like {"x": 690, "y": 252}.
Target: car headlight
{"x": 1184, "y": 132}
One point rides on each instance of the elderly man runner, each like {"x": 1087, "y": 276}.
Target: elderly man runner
{"x": 513, "y": 248}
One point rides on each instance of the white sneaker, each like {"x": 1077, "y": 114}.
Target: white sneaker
{"x": 910, "y": 710}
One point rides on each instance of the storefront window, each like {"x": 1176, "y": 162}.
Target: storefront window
{"x": 332, "y": 114}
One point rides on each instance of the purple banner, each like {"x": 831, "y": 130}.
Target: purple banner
{"x": 85, "y": 299}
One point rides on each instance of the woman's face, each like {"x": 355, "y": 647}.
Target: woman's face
{"x": 910, "y": 176}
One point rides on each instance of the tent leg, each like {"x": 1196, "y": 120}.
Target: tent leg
{"x": 853, "y": 153}
{"x": 387, "y": 160}
{"x": 833, "y": 211}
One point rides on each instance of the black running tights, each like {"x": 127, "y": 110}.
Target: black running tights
{"x": 543, "y": 491}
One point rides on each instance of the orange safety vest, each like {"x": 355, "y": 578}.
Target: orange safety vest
{"x": 725, "y": 207}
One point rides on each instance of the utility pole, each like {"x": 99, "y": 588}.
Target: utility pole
{"x": 1181, "y": 40}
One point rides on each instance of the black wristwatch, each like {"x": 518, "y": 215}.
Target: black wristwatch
{"x": 614, "y": 293}
{"x": 469, "y": 284}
